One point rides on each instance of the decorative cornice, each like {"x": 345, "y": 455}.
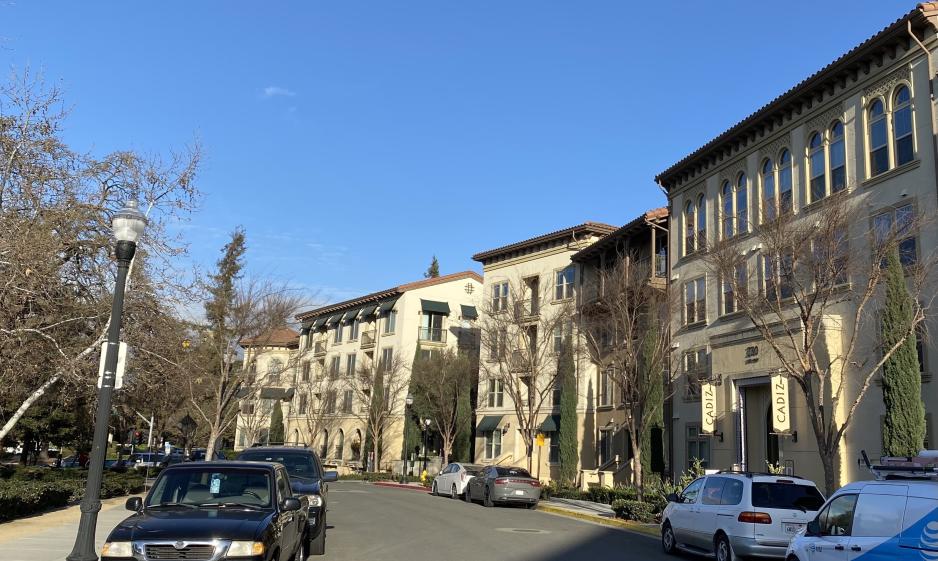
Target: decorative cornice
{"x": 772, "y": 149}
{"x": 887, "y": 83}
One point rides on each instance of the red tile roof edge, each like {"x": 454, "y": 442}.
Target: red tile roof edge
{"x": 591, "y": 227}
{"x": 653, "y": 214}
{"x": 280, "y": 337}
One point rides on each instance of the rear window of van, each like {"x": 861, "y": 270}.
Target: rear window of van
{"x": 790, "y": 496}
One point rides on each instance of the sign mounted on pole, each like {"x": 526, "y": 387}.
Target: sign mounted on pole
{"x": 781, "y": 413}
{"x": 708, "y": 405}
{"x": 540, "y": 439}
{"x": 119, "y": 370}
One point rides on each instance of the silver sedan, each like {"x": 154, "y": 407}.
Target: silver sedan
{"x": 504, "y": 485}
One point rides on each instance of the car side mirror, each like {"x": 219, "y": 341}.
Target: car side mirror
{"x": 813, "y": 528}
{"x": 330, "y": 476}
{"x": 291, "y": 504}
{"x": 673, "y": 498}
{"x": 134, "y": 503}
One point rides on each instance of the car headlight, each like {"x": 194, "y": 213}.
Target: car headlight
{"x": 117, "y": 549}
{"x": 315, "y": 500}
{"x": 245, "y": 549}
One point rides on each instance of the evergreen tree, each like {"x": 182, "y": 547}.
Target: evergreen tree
{"x": 568, "y": 417}
{"x": 433, "y": 271}
{"x": 276, "y": 434}
{"x": 904, "y": 426}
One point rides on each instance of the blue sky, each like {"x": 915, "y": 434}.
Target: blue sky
{"x": 355, "y": 139}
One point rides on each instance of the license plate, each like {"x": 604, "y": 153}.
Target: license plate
{"x": 519, "y": 492}
{"x": 792, "y": 528}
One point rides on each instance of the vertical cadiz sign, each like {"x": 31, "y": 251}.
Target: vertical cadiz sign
{"x": 781, "y": 413}
{"x": 708, "y": 404}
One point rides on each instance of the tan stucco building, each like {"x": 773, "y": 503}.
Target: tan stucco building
{"x": 862, "y": 127}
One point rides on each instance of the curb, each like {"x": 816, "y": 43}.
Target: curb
{"x": 650, "y": 530}
{"x": 391, "y": 485}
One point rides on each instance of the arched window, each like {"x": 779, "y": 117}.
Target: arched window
{"x": 902, "y": 125}
{"x": 274, "y": 368}
{"x": 339, "y": 444}
{"x": 838, "y": 157}
{"x": 742, "y": 204}
{"x": 726, "y": 195}
{"x": 785, "y": 202}
{"x": 701, "y": 222}
{"x": 324, "y": 443}
{"x": 769, "y": 206}
{"x": 689, "y": 228}
{"x": 296, "y": 436}
{"x": 878, "y": 141}
{"x": 357, "y": 446}
{"x": 817, "y": 167}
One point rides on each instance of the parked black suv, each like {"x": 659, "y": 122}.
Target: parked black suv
{"x": 203, "y": 511}
{"x": 308, "y": 480}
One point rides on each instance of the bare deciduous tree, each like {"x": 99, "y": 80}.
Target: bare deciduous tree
{"x": 439, "y": 382}
{"x": 519, "y": 350}
{"x": 625, "y": 328}
{"x": 379, "y": 388}
{"x": 817, "y": 304}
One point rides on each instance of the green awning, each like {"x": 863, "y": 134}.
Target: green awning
{"x": 469, "y": 312}
{"x": 318, "y": 323}
{"x": 368, "y": 310}
{"x": 550, "y": 424}
{"x": 434, "y": 307}
{"x": 276, "y": 393}
{"x": 489, "y": 423}
{"x": 305, "y": 330}
{"x": 386, "y": 306}
{"x": 351, "y": 314}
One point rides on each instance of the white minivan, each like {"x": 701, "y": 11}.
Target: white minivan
{"x": 871, "y": 521}
{"x": 734, "y": 514}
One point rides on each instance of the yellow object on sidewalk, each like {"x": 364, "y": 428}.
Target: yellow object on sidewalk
{"x": 423, "y": 476}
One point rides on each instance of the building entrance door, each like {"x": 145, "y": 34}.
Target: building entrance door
{"x": 757, "y": 400}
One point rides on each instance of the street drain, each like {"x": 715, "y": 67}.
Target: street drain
{"x": 522, "y": 530}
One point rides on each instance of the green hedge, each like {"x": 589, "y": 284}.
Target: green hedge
{"x": 32, "y": 490}
{"x": 634, "y": 510}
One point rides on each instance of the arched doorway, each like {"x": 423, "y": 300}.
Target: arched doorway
{"x": 323, "y": 444}
{"x": 339, "y": 445}
{"x": 357, "y": 446}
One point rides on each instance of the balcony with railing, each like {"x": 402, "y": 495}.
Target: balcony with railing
{"x": 432, "y": 335}
{"x": 368, "y": 339}
{"x": 527, "y": 308}
{"x": 319, "y": 348}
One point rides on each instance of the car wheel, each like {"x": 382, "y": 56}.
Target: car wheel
{"x": 668, "y": 541}
{"x": 318, "y": 545}
{"x": 300, "y": 554}
{"x": 433, "y": 490}
{"x": 722, "y": 549}
{"x": 453, "y": 494}
{"x": 467, "y": 495}
{"x": 487, "y": 498}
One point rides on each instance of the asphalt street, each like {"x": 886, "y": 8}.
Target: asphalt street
{"x": 372, "y": 523}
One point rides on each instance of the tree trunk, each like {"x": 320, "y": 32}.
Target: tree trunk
{"x": 529, "y": 450}
{"x": 27, "y": 403}
{"x": 210, "y": 447}
{"x": 830, "y": 476}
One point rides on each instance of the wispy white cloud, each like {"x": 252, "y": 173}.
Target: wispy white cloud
{"x": 277, "y": 91}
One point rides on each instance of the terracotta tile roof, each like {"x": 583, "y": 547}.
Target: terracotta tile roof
{"x": 397, "y": 291}
{"x": 585, "y": 228}
{"x": 609, "y": 239}
{"x": 281, "y": 337}
{"x": 889, "y": 34}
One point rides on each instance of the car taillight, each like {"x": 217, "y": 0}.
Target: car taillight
{"x": 755, "y": 517}
{"x": 501, "y": 481}
{"x": 535, "y": 483}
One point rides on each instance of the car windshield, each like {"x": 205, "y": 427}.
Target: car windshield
{"x": 512, "y": 472}
{"x": 147, "y": 457}
{"x": 786, "y": 495}
{"x": 211, "y": 486}
{"x": 298, "y": 464}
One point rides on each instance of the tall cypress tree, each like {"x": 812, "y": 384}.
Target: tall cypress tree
{"x": 904, "y": 426}
{"x": 276, "y": 434}
{"x": 566, "y": 377}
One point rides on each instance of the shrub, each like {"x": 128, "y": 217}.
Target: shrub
{"x": 634, "y": 510}
{"x": 33, "y": 490}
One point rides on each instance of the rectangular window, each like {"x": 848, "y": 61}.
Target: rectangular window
{"x": 897, "y": 224}
{"x": 350, "y": 365}
{"x": 500, "y": 297}
{"x": 338, "y": 333}
{"x": 496, "y": 393}
{"x": 331, "y": 397}
{"x": 493, "y": 444}
{"x": 431, "y": 327}
{"x": 695, "y": 301}
{"x": 605, "y": 446}
{"x": 731, "y": 297}
{"x": 353, "y": 331}
{"x": 605, "y": 388}
{"x": 696, "y": 369}
{"x": 564, "y": 286}
{"x": 389, "y": 321}
{"x": 387, "y": 358}
{"x": 304, "y": 404}
{"x": 698, "y": 446}
{"x": 304, "y": 376}
{"x": 554, "y": 456}
{"x": 879, "y": 150}
{"x": 817, "y": 180}
{"x": 562, "y": 333}
{"x": 347, "y": 401}
{"x": 335, "y": 365}
{"x": 498, "y": 344}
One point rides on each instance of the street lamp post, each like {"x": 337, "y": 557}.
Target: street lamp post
{"x": 128, "y": 224}
{"x": 426, "y": 442}
{"x": 407, "y": 403}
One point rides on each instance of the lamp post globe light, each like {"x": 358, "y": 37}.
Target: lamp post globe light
{"x": 128, "y": 225}
{"x": 426, "y": 443}
{"x": 408, "y": 401}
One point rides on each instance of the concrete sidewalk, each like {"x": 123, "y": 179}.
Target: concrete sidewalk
{"x": 582, "y": 507}
{"x": 50, "y": 536}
